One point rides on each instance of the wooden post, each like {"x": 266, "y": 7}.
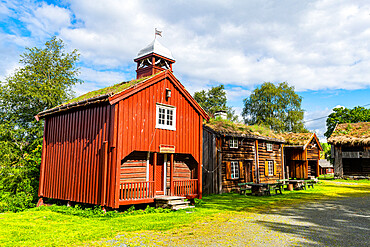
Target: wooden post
{"x": 200, "y": 157}
{"x": 257, "y": 172}
{"x": 282, "y": 160}
{"x": 338, "y": 164}
{"x": 154, "y": 175}
{"x": 305, "y": 165}
{"x": 172, "y": 170}
{"x": 40, "y": 202}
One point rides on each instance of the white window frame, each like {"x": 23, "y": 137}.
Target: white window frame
{"x": 270, "y": 166}
{"x": 233, "y": 142}
{"x": 269, "y": 147}
{"x": 234, "y": 167}
{"x": 165, "y": 125}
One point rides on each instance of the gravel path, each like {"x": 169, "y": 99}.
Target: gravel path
{"x": 342, "y": 222}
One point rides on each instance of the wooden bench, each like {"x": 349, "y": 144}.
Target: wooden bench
{"x": 243, "y": 187}
{"x": 276, "y": 188}
{"x": 310, "y": 183}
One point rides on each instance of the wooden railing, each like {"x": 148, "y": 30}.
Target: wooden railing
{"x": 136, "y": 190}
{"x": 185, "y": 187}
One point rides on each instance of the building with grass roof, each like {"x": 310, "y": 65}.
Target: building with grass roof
{"x": 351, "y": 149}
{"x": 236, "y": 153}
{"x": 302, "y": 155}
{"x": 128, "y": 143}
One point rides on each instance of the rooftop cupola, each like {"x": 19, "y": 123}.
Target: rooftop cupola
{"x": 153, "y": 59}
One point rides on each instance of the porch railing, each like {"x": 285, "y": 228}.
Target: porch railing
{"x": 136, "y": 190}
{"x": 185, "y": 187}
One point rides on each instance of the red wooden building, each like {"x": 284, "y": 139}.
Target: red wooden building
{"x": 128, "y": 143}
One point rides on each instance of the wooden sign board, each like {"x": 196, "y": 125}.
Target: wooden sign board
{"x": 167, "y": 149}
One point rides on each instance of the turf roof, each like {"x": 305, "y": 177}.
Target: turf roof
{"x": 112, "y": 90}
{"x": 351, "y": 134}
{"x": 296, "y": 139}
{"x": 231, "y": 128}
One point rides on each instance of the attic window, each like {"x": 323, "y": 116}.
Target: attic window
{"x": 165, "y": 117}
{"x": 233, "y": 142}
{"x": 269, "y": 147}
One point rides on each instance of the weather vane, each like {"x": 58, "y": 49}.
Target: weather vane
{"x": 157, "y": 32}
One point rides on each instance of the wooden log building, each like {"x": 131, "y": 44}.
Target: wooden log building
{"x": 128, "y": 143}
{"x": 302, "y": 155}
{"x": 350, "y": 144}
{"x": 235, "y": 153}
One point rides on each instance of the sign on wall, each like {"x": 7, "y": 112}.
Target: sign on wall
{"x": 167, "y": 149}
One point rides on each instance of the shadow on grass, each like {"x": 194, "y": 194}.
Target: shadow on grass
{"x": 340, "y": 222}
{"x": 237, "y": 202}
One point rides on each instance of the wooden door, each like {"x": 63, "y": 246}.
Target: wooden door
{"x": 159, "y": 175}
{"x": 248, "y": 171}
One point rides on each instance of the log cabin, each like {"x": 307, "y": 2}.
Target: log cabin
{"x": 236, "y": 153}
{"x": 350, "y": 144}
{"x": 128, "y": 143}
{"x": 302, "y": 155}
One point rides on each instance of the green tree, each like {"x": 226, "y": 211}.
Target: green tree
{"x": 345, "y": 115}
{"x": 44, "y": 80}
{"x": 277, "y": 107}
{"x": 215, "y": 100}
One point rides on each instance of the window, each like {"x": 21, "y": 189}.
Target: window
{"x": 270, "y": 168}
{"x": 233, "y": 142}
{"x": 234, "y": 169}
{"x": 166, "y": 117}
{"x": 269, "y": 147}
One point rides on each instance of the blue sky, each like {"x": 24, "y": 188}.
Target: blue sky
{"x": 320, "y": 47}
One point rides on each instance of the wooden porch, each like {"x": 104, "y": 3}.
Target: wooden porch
{"x": 144, "y": 192}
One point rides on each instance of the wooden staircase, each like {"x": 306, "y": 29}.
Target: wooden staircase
{"x": 172, "y": 202}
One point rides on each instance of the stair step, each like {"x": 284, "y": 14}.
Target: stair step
{"x": 178, "y": 203}
{"x": 177, "y": 207}
{"x": 169, "y": 198}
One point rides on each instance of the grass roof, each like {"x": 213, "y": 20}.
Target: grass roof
{"x": 298, "y": 139}
{"x": 351, "y": 134}
{"x": 228, "y": 127}
{"x": 112, "y": 90}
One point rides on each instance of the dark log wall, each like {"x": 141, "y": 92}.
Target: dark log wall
{"x": 212, "y": 168}
{"x": 73, "y": 156}
{"x": 351, "y": 166}
{"x": 244, "y": 152}
{"x": 265, "y": 155}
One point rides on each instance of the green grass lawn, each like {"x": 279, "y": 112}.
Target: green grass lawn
{"x": 46, "y": 227}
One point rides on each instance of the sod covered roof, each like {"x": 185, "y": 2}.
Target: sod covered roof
{"x": 296, "y": 139}
{"x": 228, "y": 128}
{"x": 97, "y": 96}
{"x": 351, "y": 134}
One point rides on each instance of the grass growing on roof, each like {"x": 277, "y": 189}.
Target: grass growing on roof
{"x": 225, "y": 125}
{"x": 117, "y": 88}
{"x": 47, "y": 227}
{"x": 296, "y": 138}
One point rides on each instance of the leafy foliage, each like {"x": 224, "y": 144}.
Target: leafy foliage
{"x": 345, "y": 115}
{"x": 278, "y": 107}
{"x": 326, "y": 152}
{"x": 44, "y": 80}
{"x": 215, "y": 100}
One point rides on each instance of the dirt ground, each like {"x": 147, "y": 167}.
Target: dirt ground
{"x": 341, "y": 222}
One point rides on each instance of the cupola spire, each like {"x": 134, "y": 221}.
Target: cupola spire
{"x": 153, "y": 58}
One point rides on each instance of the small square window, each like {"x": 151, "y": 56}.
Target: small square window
{"x": 270, "y": 168}
{"x": 234, "y": 169}
{"x": 269, "y": 147}
{"x": 233, "y": 142}
{"x": 166, "y": 117}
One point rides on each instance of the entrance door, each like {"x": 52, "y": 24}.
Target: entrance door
{"x": 248, "y": 171}
{"x": 159, "y": 175}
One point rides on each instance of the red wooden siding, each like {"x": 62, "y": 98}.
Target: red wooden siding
{"x": 137, "y": 121}
{"x": 73, "y": 167}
